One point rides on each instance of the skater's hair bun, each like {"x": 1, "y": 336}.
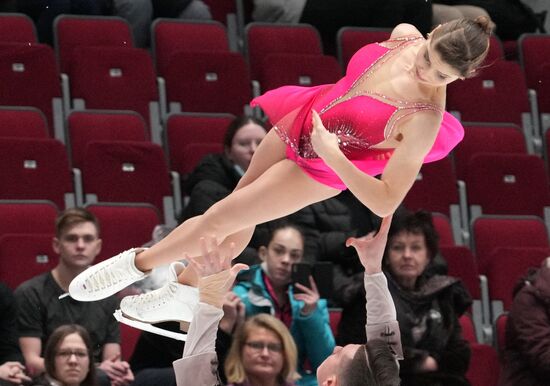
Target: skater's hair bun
{"x": 485, "y": 24}
{"x": 464, "y": 43}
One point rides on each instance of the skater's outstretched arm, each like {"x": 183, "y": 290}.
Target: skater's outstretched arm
{"x": 381, "y": 313}
{"x": 198, "y": 365}
{"x": 384, "y": 195}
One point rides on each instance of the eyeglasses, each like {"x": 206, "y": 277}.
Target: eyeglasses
{"x": 260, "y": 346}
{"x": 66, "y": 354}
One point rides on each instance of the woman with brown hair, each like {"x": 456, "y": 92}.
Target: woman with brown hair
{"x": 67, "y": 358}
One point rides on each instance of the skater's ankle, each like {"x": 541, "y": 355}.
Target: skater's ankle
{"x": 188, "y": 277}
{"x": 140, "y": 261}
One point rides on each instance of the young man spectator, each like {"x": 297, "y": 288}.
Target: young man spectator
{"x": 41, "y": 311}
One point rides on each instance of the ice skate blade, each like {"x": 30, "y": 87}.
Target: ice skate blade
{"x": 148, "y": 327}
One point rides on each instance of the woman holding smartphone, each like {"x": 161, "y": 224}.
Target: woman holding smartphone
{"x": 268, "y": 288}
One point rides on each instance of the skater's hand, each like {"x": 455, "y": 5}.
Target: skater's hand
{"x": 216, "y": 276}
{"x": 429, "y": 364}
{"x": 233, "y": 313}
{"x": 118, "y": 371}
{"x": 324, "y": 143}
{"x": 310, "y": 296}
{"x": 13, "y": 372}
{"x": 371, "y": 249}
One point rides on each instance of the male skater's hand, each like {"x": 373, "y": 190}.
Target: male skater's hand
{"x": 216, "y": 276}
{"x": 371, "y": 249}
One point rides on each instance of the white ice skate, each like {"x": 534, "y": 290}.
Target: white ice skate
{"x": 171, "y": 302}
{"x": 106, "y": 278}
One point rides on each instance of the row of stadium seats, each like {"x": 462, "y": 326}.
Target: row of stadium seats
{"x": 197, "y": 72}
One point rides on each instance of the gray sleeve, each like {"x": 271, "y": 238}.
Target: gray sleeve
{"x": 199, "y": 363}
{"x": 381, "y": 314}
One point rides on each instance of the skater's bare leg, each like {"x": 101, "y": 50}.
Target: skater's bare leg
{"x": 275, "y": 149}
{"x": 281, "y": 190}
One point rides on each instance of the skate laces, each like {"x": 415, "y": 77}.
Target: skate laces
{"x": 107, "y": 276}
{"x": 156, "y": 298}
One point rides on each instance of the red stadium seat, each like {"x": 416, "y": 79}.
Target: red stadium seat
{"x": 436, "y": 190}
{"x": 497, "y": 94}
{"x": 102, "y": 125}
{"x": 116, "y": 78}
{"x": 32, "y": 252}
{"x": 207, "y": 82}
{"x": 263, "y": 39}
{"x": 17, "y": 28}
{"x": 484, "y": 367}
{"x": 20, "y": 216}
{"x": 491, "y": 232}
{"x": 170, "y": 36}
{"x": 534, "y": 52}
{"x": 487, "y": 138}
{"x": 444, "y": 229}
{"x": 191, "y": 136}
{"x": 35, "y": 169}
{"x": 124, "y": 226}
{"x": 30, "y": 78}
{"x": 335, "y": 314}
{"x": 350, "y": 39}
{"x": 128, "y": 340}
{"x": 72, "y": 31}
{"x": 468, "y": 328}
{"x": 23, "y": 122}
{"x": 128, "y": 172}
{"x": 511, "y": 184}
{"x": 295, "y": 69}
{"x": 500, "y": 332}
{"x": 462, "y": 264}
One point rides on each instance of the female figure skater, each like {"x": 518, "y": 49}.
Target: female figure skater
{"x": 386, "y": 115}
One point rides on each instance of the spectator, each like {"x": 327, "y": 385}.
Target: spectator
{"x": 218, "y": 174}
{"x": 43, "y": 12}
{"x": 443, "y": 13}
{"x": 77, "y": 242}
{"x": 526, "y": 359}
{"x": 12, "y": 372}
{"x": 67, "y": 358}
{"x": 140, "y": 13}
{"x": 267, "y": 288}
{"x": 329, "y": 16}
{"x": 262, "y": 353}
{"x": 542, "y": 8}
{"x": 512, "y": 17}
{"x": 428, "y": 306}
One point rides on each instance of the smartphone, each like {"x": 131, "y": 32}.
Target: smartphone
{"x": 300, "y": 274}
{"x": 322, "y": 273}
{"x": 323, "y": 276}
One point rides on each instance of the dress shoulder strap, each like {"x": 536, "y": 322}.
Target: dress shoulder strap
{"x": 400, "y": 41}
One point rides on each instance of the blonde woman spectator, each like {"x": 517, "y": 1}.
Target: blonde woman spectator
{"x": 262, "y": 353}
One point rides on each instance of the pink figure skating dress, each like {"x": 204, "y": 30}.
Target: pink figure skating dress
{"x": 360, "y": 117}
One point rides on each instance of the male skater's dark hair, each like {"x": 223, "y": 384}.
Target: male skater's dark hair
{"x": 380, "y": 369}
